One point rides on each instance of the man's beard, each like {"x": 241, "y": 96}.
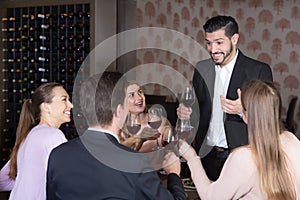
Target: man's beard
{"x": 226, "y": 55}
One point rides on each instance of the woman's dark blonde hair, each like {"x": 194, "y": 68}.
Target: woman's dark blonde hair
{"x": 30, "y": 117}
{"x": 262, "y": 106}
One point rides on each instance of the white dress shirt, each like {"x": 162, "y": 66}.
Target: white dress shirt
{"x": 216, "y": 132}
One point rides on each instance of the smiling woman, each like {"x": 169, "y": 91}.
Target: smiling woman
{"x": 37, "y": 134}
{"x": 145, "y": 140}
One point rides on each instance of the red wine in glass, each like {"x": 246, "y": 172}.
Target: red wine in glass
{"x": 188, "y": 97}
{"x": 188, "y": 102}
{"x": 155, "y": 124}
{"x": 134, "y": 129}
{"x": 164, "y": 142}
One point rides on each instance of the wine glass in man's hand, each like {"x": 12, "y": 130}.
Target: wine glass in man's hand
{"x": 188, "y": 96}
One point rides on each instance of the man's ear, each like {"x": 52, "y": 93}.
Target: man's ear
{"x": 119, "y": 111}
{"x": 235, "y": 38}
{"x": 120, "y": 116}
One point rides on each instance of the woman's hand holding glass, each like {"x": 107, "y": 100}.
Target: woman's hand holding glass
{"x": 155, "y": 120}
{"x": 133, "y": 124}
{"x": 135, "y": 133}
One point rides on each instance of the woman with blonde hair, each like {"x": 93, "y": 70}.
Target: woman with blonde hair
{"x": 147, "y": 138}
{"x": 267, "y": 168}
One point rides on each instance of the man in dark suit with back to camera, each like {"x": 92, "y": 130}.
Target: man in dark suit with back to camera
{"x": 95, "y": 165}
{"x": 217, "y": 83}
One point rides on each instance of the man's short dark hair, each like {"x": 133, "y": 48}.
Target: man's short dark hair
{"x": 100, "y": 95}
{"x": 227, "y": 23}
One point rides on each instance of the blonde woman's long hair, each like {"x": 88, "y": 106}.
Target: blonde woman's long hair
{"x": 262, "y": 106}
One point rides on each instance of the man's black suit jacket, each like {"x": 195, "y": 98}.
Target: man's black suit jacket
{"x": 88, "y": 167}
{"x": 245, "y": 69}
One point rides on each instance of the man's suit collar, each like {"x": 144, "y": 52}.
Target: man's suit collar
{"x": 105, "y": 131}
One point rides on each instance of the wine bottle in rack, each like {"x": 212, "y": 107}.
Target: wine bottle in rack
{"x": 62, "y": 59}
{"x": 8, "y": 50}
{"x": 12, "y": 19}
{"x": 87, "y": 15}
{"x": 63, "y": 16}
{"x": 80, "y": 15}
{"x": 44, "y": 16}
{"x": 62, "y": 48}
{"x": 45, "y": 26}
{"x": 32, "y": 17}
{"x": 25, "y": 16}
{"x": 28, "y": 59}
{"x": 40, "y": 16}
{"x": 23, "y": 49}
{"x": 79, "y": 60}
{"x": 62, "y": 38}
{"x": 82, "y": 26}
{"x": 42, "y": 70}
{"x": 62, "y": 27}
{"x": 8, "y": 60}
{"x": 43, "y": 48}
{"x": 79, "y": 37}
{"x": 72, "y": 26}
{"x": 70, "y": 59}
{"x": 43, "y": 37}
{"x": 79, "y": 49}
{"x": 40, "y": 81}
{"x": 70, "y": 49}
{"x": 11, "y": 29}
{"x": 70, "y": 71}
{"x": 43, "y": 59}
{"x": 71, "y": 15}
{"x": 71, "y": 37}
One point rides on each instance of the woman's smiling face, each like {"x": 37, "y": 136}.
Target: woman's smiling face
{"x": 135, "y": 99}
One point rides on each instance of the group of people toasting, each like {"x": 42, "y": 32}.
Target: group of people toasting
{"x": 240, "y": 149}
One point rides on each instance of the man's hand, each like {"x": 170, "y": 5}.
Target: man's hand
{"x": 184, "y": 112}
{"x": 232, "y": 106}
{"x": 171, "y": 164}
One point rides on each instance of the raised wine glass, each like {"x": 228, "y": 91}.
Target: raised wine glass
{"x": 188, "y": 96}
{"x": 133, "y": 124}
{"x": 155, "y": 113}
{"x": 183, "y": 126}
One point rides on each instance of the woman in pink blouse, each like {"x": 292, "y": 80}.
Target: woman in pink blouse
{"x": 267, "y": 168}
{"x": 37, "y": 134}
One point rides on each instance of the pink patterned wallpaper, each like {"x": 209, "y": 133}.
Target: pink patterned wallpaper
{"x": 269, "y": 31}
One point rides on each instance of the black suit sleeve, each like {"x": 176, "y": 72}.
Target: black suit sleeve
{"x": 50, "y": 190}
{"x": 150, "y": 187}
{"x": 175, "y": 186}
{"x": 266, "y": 74}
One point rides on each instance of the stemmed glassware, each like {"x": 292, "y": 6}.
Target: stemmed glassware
{"x": 183, "y": 126}
{"x": 133, "y": 124}
{"x": 188, "y": 96}
{"x": 169, "y": 137}
{"x": 155, "y": 119}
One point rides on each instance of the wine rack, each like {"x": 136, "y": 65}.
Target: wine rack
{"x": 40, "y": 44}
